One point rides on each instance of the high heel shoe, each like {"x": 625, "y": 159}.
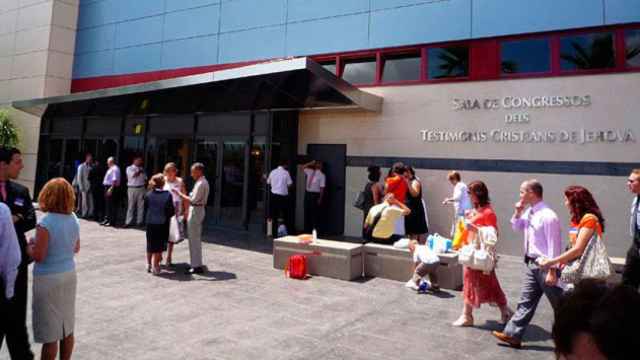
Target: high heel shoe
{"x": 463, "y": 321}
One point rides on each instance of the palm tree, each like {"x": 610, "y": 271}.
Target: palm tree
{"x": 598, "y": 54}
{"x": 453, "y": 62}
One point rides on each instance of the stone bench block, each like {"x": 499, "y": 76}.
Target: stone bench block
{"x": 334, "y": 259}
{"x": 387, "y": 262}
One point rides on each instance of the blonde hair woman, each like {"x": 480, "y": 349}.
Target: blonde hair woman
{"x": 54, "y": 276}
{"x": 173, "y": 183}
{"x": 158, "y": 206}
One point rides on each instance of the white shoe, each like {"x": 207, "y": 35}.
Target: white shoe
{"x": 411, "y": 285}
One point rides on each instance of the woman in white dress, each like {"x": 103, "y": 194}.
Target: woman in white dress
{"x": 173, "y": 182}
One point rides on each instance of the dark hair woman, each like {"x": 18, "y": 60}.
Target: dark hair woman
{"x": 586, "y": 222}
{"x": 416, "y": 222}
{"x": 397, "y": 185}
{"x": 373, "y": 192}
{"x": 479, "y": 287}
{"x": 158, "y": 206}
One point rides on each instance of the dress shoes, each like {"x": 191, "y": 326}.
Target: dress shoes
{"x": 509, "y": 340}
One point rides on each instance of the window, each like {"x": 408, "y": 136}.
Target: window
{"x": 330, "y": 66}
{"x": 448, "y": 62}
{"x": 360, "y": 71}
{"x": 525, "y": 56}
{"x": 405, "y": 67}
{"x": 585, "y": 52}
{"x": 632, "y": 47}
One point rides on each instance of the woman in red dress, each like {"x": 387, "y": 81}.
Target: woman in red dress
{"x": 478, "y": 287}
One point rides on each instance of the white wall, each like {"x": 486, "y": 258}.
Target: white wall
{"x": 37, "y": 42}
{"x": 395, "y": 132}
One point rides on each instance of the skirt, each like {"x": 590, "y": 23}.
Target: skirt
{"x": 480, "y": 288}
{"x": 54, "y": 306}
{"x": 157, "y": 237}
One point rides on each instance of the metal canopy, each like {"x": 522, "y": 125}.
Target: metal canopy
{"x": 292, "y": 84}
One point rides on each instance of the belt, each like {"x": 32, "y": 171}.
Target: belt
{"x": 135, "y": 187}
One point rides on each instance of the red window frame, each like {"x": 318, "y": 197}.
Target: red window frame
{"x": 491, "y": 68}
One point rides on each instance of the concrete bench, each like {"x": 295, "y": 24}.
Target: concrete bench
{"x": 334, "y": 259}
{"x": 387, "y": 262}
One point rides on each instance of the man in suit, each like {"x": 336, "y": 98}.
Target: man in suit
{"x": 17, "y": 198}
{"x": 631, "y": 274}
{"x": 85, "y": 201}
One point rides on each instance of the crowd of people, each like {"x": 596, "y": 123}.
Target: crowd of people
{"x": 393, "y": 209}
{"x": 162, "y": 206}
{"x": 590, "y": 314}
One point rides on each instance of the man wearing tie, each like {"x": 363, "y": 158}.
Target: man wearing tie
{"x": 541, "y": 229}
{"x": 197, "y": 205}
{"x": 631, "y": 274}
{"x": 23, "y": 215}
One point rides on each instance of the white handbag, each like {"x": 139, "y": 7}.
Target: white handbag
{"x": 176, "y": 229}
{"x": 465, "y": 255}
{"x": 483, "y": 260}
{"x": 480, "y": 259}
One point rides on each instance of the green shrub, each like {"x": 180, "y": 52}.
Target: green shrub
{"x": 8, "y": 132}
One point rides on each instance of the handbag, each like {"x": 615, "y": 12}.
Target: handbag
{"x": 465, "y": 255}
{"x": 358, "y": 203}
{"x": 296, "y": 267}
{"x": 176, "y": 229}
{"x": 479, "y": 259}
{"x": 593, "y": 264}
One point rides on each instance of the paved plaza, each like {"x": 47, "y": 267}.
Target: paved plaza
{"x": 244, "y": 309}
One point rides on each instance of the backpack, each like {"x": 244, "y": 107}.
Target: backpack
{"x": 296, "y": 267}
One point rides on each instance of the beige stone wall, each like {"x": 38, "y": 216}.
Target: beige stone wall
{"x": 37, "y": 41}
{"x": 408, "y": 109}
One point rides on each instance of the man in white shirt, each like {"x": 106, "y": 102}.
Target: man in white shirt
{"x": 136, "y": 189}
{"x": 460, "y": 199}
{"x": 111, "y": 184}
{"x": 280, "y": 180}
{"x": 315, "y": 182}
{"x": 197, "y": 210}
{"x": 85, "y": 201}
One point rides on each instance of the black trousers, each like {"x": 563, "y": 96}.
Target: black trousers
{"x": 98, "y": 202}
{"x": 279, "y": 211}
{"x": 311, "y": 212}
{"x": 111, "y": 205}
{"x": 631, "y": 274}
{"x": 13, "y": 318}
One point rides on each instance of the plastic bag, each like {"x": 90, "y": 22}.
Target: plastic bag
{"x": 460, "y": 235}
{"x": 402, "y": 244}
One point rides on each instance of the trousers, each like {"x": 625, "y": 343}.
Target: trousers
{"x": 135, "y": 204}
{"x": 533, "y": 288}
{"x": 194, "y": 230}
{"x": 311, "y": 212}
{"x": 631, "y": 273}
{"x": 86, "y": 203}
{"x": 13, "y": 315}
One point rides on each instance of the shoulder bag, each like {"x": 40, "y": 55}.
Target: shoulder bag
{"x": 593, "y": 264}
{"x": 358, "y": 203}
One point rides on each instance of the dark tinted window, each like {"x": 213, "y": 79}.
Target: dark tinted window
{"x": 632, "y": 46}
{"x": 67, "y": 126}
{"x": 448, "y": 62}
{"x": 404, "y": 67}
{"x": 103, "y": 126}
{"x": 589, "y": 51}
{"x": 361, "y": 71}
{"x": 525, "y": 56}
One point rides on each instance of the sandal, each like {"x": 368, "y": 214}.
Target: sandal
{"x": 463, "y": 321}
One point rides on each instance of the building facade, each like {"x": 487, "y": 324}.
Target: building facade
{"x": 502, "y": 90}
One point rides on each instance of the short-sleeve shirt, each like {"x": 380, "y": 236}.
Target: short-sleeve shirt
{"x": 315, "y": 181}
{"x": 171, "y": 186}
{"x": 112, "y": 177}
{"x": 64, "y": 233}
{"x": 486, "y": 217}
{"x": 386, "y": 225}
{"x": 200, "y": 193}
{"x": 588, "y": 221}
{"x": 397, "y": 186}
{"x": 280, "y": 180}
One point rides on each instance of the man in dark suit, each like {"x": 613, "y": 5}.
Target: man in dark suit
{"x": 17, "y": 198}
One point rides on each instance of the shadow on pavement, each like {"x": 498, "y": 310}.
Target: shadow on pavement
{"x": 176, "y": 273}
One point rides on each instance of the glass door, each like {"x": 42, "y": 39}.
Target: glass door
{"x": 232, "y": 183}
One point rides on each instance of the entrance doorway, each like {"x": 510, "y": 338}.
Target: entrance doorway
{"x": 334, "y": 159}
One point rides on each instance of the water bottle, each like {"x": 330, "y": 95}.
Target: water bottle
{"x": 314, "y": 235}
